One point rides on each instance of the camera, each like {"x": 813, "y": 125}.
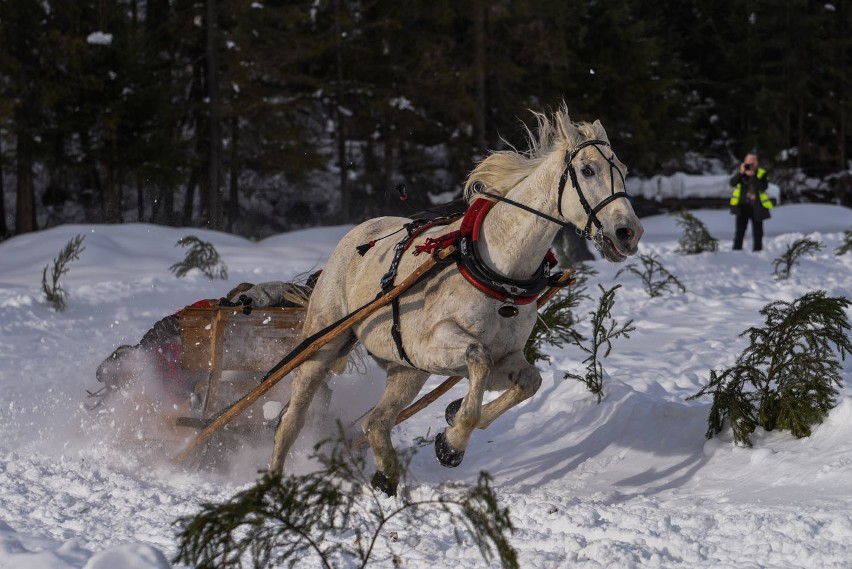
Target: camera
{"x": 747, "y": 167}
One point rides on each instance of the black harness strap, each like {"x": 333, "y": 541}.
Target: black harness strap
{"x": 470, "y": 259}
{"x": 413, "y": 229}
{"x": 387, "y": 284}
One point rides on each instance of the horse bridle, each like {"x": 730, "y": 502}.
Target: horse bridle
{"x": 591, "y": 213}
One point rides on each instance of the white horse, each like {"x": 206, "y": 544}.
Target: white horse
{"x": 472, "y": 318}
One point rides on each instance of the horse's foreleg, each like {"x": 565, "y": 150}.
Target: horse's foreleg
{"x": 402, "y": 387}
{"x": 451, "y": 444}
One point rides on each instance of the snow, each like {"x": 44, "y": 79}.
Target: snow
{"x": 681, "y": 185}
{"x": 99, "y": 38}
{"x": 628, "y": 482}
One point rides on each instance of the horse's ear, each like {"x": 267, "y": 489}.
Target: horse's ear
{"x": 600, "y": 132}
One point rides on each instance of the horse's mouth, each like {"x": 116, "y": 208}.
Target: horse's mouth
{"x": 611, "y": 252}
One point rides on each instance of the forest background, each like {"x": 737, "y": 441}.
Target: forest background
{"x": 258, "y": 117}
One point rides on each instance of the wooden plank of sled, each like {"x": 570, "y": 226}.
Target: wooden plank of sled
{"x": 450, "y": 382}
{"x": 215, "y": 373}
{"x": 273, "y": 378}
{"x": 217, "y": 339}
{"x": 251, "y": 342}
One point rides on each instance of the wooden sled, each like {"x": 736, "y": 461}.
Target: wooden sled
{"x": 234, "y": 349}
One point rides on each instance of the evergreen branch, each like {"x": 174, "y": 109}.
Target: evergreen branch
{"x": 654, "y": 285}
{"x": 201, "y": 255}
{"x": 54, "y": 293}
{"x": 284, "y": 520}
{"x": 696, "y": 237}
{"x": 555, "y": 324}
{"x": 602, "y": 336}
{"x": 783, "y": 265}
{"x": 788, "y": 378}
{"x": 846, "y": 246}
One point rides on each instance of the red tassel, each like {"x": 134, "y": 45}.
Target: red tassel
{"x": 551, "y": 258}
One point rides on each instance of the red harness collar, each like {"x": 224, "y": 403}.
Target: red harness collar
{"x": 476, "y": 272}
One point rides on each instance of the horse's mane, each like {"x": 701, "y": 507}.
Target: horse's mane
{"x": 502, "y": 170}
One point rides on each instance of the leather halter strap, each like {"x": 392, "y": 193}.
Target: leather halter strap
{"x": 570, "y": 172}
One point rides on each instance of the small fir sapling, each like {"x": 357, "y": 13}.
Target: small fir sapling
{"x": 783, "y": 265}
{"x": 604, "y": 330}
{"x": 788, "y": 377}
{"x": 654, "y": 284}
{"x": 201, "y": 255}
{"x": 695, "y": 238}
{"x": 846, "y": 246}
{"x": 53, "y": 292}
{"x": 556, "y": 322}
{"x": 333, "y": 518}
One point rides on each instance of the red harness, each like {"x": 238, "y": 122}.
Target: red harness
{"x": 474, "y": 270}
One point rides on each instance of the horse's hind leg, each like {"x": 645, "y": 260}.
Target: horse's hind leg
{"x": 307, "y": 382}
{"x": 403, "y": 385}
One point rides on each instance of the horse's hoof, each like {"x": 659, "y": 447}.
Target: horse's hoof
{"x": 383, "y": 483}
{"x": 447, "y": 455}
{"x": 452, "y": 409}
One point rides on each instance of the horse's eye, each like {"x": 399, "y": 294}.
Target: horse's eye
{"x": 587, "y": 171}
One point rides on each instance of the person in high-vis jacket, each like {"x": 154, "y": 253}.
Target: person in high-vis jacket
{"x": 749, "y": 201}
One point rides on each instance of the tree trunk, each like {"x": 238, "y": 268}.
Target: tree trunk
{"x": 189, "y": 197}
{"x": 479, "y": 62}
{"x": 25, "y": 214}
{"x": 140, "y": 201}
{"x": 234, "y": 194}
{"x": 345, "y": 198}
{"x": 214, "y": 185}
{"x": 4, "y": 226}
{"x": 112, "y": 191}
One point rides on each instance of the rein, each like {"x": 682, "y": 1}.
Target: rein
{"x": 570, "y": 172}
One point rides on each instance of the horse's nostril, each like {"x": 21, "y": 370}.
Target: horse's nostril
{"x": 624, "y": 234}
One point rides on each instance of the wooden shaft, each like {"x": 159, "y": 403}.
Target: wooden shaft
{"x": 269, "y": 382}
{"x": 450, "y": 382}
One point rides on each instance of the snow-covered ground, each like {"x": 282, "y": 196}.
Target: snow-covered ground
{"x": 628, "y": 482}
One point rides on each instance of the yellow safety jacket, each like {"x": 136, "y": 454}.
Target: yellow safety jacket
{"x": 738, "y": 189}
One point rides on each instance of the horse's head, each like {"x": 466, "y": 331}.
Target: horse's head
{"x": 591, "y": 192}
{"x": 589, "y": 179}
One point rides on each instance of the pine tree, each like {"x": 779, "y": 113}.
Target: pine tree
{"x": 604, "y": 331}
{"x": 202, "y": 255}
{"x": 53, "y": 292}
{"x": 846, "y": 246}
{"x": 654, "y": 275}
{"x": 556, "y": 323}
{"x": 784, "y": 264}
{"x": 695, "y": 238}
{"x": 788, "y": 377}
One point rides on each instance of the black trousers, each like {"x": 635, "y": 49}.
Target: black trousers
{"x": 746, "y": 214}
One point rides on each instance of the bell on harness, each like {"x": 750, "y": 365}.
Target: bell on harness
{"x": 509, "y": 309}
